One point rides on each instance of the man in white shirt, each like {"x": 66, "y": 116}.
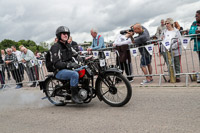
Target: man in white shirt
{"x": 122, "y": 45}
{"x": 160, "y": 29}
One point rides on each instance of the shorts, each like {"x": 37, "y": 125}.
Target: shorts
{"x": 145, "y": 60}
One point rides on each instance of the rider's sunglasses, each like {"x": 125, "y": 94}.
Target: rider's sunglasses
{"x": 64, "y": 33}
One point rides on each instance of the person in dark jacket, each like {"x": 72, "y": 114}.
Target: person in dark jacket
{"x": 124, "y": 57}
{"x": 62, "y": 58}
{"x": 13, "y": 66}
{"x": 73, "y": 44}
{"x": 2, "y": 75}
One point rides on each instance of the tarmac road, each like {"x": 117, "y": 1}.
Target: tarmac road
{"x": 151, "y": 110}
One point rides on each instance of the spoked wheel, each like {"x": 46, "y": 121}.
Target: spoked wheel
{"x": 51, "y": 86}
{"x": 115, "y": 90}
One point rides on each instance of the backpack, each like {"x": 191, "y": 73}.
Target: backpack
{"x": 49, "y": 64}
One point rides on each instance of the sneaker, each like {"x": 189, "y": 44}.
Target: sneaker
{"x": 18, "y": 87}
{"x": 2, "y": 86}
{"x": 131, "y": 80}
{"x": 145, "y": 82}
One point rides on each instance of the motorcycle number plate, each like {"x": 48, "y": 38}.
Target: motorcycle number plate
{"x": 102, "y": 63}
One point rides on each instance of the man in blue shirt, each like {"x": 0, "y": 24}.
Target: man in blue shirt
{"x": 98, "y": 41}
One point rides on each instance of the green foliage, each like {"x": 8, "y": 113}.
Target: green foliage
{"x": 6, "y": 43}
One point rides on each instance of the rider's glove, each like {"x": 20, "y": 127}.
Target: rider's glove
{"x": 73, "y": 65}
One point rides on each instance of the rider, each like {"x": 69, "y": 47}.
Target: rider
{"x": 62, "y": 57}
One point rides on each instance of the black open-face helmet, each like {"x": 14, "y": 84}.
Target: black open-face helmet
{"x": 62, "y": 29}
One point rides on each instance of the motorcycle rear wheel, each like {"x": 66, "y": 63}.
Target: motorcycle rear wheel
{"x": 118, "y": 93}
{"x": 51, "y": 85}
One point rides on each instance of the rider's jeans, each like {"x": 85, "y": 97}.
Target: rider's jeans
{"x": 65, "y": 74}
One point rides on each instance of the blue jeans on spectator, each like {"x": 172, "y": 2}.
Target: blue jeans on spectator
{"x": 66, "y": 74}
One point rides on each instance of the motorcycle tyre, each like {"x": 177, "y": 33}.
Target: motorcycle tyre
{"x": 128, "y": 87}
{"x": 47, "y": 94}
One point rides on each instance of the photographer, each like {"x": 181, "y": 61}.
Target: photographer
{"x": 124, "y": 60}
{"x": 140, "y": 41}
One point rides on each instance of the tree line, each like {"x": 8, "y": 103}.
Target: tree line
{"x": 7, "y": 43}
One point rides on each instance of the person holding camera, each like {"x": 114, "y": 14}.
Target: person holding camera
{"x": 140, "y": 41}
{"x": 124, "y": 58}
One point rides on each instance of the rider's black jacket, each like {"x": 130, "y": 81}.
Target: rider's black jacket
{"x": 61, "y": 55}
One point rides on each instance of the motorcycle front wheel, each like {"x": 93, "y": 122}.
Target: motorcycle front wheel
{"x": 51, "y": 85}
{"x": 114, "y": 89}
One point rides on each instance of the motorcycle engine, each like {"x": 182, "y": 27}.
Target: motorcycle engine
{"x": 82, "y": 94}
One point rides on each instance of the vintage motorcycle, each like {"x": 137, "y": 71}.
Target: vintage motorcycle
{"x": 95, "y": 79}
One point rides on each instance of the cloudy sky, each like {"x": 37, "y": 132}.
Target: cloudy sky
{"x": 38, "y": 20}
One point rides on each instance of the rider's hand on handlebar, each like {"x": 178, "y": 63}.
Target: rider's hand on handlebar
{"x": 73, "y": 65}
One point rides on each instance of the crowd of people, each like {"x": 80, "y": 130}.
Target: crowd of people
{"x": 16, "y": 62}
{"x": 167, "y": 32}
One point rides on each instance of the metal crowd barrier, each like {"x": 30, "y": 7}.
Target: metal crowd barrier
{"x": 23, "y": 73}
{"x": 189, "y": 64}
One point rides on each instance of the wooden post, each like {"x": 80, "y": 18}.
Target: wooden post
{"x": 171, "y": 69}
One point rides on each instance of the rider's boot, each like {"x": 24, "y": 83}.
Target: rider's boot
{"x": 75, "y": 97}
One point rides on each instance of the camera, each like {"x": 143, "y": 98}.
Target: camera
{"x": 125, "y": 31}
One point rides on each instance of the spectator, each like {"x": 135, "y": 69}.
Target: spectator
{"x": 18, "y": 54}
{"x": 37, "y": 54}
{"x": 140, "y": 41}
{"x": 21, "y": 47}
{"x": 122, "y": 45}
{"x": 177, "y": 26}
{"x": 12, "y": 62}
{"x": 29, "y": 58}
{"x": 73, "y": 44}
{"x": 160, "y": 28}
{"x": 195, "y": 29}
{"x": 98, "y": 41}
{"x": 168, "y": 35}
{"x": 2, "y": 75}
{"x": 56, "y": 40}
{"x": 80, "y": 48}
{"x": 6, "y": 67}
